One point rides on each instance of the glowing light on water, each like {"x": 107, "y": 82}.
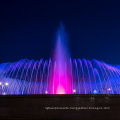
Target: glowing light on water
{"x": 60, "y": 90}
{"x": 6, "y": 83}
{"x": 74, "y": 91}
{"x": 109, "y": 89}
{"x": 95, "y": 92}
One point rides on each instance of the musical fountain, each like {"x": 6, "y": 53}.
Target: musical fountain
{"x": 59, "y": 75}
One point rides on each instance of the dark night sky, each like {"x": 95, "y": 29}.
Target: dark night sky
{"x": 28, "y": 27}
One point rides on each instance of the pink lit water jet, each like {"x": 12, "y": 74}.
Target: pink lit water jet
{"x": 61, "y": 77}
